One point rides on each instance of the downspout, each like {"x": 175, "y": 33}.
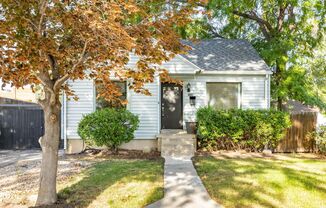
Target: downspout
{"x": 159, "y": 113}
{"x": 64, "y": 121}
{"x": 266, "y": 86}
{"x": 269, "y": 89}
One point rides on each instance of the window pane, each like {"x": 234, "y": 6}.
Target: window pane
{"x": 223, "y": 95}
{"x": 102, "y": 103}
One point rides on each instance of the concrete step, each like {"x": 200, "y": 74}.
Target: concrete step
{"x": 178, "y": 141}
{"x": 178, "y": 150}
{"x": 173, "y": 131}
{"x": 180, "y": 146}
{"x": 176, "y": 136}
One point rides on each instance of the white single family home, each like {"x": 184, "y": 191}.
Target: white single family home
{"x": 219, "y": 72}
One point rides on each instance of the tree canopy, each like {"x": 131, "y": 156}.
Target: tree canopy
{"x": 45, "y": 43}
{"x": 284, "y": 32}
{"x": 49, "y": 42}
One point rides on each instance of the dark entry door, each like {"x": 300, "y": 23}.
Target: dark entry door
{"x": 171, "y": 106}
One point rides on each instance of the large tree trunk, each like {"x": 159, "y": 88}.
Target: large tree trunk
{"x": 47, "y": 193}
{"x": 278, "y": 80}
{"x": 279, "y": 103}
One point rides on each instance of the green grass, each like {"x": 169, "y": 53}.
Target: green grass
{"x": 284, "y": 181}
{"x": 115, "y": 183}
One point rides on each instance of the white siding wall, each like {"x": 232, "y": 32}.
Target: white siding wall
{"x": 147, "y": 108}
{"x": 252, "y": 91}
{"x": 76, "y": 109}
{"x": 180, "y": 65}
{"x": 177, "y": 65}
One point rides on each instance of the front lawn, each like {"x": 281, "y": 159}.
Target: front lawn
{"x": 281, "y": 181}
{"x": 115, "y": 183}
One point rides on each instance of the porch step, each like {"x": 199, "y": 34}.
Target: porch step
{"x": 176, "y": 143}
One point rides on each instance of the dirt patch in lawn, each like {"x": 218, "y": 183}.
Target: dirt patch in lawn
{"x": 19, "y": 182}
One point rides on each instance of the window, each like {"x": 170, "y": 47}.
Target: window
{"x": 102, "y": 103}
{"x": 223, "y": 95}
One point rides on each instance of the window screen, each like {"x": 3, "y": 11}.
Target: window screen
{"x": 223, "y": 95}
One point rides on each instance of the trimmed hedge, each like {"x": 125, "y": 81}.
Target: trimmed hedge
{"x": 109, "y": 127}
{"x": 241, "y": 129}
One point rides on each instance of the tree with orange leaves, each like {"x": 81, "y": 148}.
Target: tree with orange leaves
{"x": 47, "y": 42}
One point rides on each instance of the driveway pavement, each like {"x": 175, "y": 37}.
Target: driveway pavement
{"x": 20, "y": 173}
{"x": 10, "y": 157}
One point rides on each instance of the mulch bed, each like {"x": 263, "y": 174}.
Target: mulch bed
{"x": 122, "y": 154}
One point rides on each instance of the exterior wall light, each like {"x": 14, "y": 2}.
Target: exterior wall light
{"x": 188, "y": 87}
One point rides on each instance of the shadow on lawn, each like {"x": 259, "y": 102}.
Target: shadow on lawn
{"x": 103, "y": 175}
{"x": 232, "y": 182}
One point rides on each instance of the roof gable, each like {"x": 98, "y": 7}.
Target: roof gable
{"x": 225, "y": 54}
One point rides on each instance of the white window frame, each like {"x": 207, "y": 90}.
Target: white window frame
{"x": 239, "y": 95}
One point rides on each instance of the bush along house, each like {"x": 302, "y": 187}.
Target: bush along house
{"x": 218, "y": 72}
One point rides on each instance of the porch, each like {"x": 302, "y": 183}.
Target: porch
{"x": 176, "y": 143}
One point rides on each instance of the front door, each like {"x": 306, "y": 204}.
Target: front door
{"x": 171, "y": 106}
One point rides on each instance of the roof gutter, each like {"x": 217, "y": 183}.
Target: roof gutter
{"x": 232, "y": 72}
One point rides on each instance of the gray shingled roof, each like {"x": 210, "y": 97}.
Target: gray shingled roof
{"x": 224, "y": 54}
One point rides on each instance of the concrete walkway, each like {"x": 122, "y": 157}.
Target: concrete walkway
{"x": 182, "y": 186}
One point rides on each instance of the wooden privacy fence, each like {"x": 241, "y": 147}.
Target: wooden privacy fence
{"x": 297, "y": 137}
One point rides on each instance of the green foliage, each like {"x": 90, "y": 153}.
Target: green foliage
{"x": 196, "y": 29}
{"x": 241, "y": 129}
{"x": 284, "y": 33}
{"x": 109, "y": 127}
{"x": 321, "y": 139}
{"x": 316, "y": 71}
{"x": 297, "y": 85}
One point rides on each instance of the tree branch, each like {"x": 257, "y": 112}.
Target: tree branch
{"x": 64, "y": 78}
{"x": 264, "y": 25}
{"x": 280, "y": 17}
{"x": 32, "y": 23}
{"x": 291, "y": 17}
{"x": 253, "y": 16}
{"x": 82, "y": 57}
{"x": 51, "y": 61}
{"x": 42, "y": 12}
{"x": 264, "y": 31}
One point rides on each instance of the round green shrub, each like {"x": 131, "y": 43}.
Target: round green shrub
{"x": 108, "y": 127}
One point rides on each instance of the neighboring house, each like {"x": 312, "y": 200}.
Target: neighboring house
{"x": 219, "y": 72}
{"x": 296, "y": 107}
{"x": 22, "y": 94}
